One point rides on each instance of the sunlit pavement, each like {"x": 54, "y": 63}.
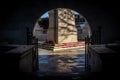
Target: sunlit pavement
{"x": 70, "y": 62}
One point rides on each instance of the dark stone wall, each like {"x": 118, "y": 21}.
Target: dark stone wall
{"x": 15, "y": 17}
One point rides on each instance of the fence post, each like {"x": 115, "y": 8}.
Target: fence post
{"x": 34, "y": 41}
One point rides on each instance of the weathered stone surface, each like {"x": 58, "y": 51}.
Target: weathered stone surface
{"x": 62, "y": 26}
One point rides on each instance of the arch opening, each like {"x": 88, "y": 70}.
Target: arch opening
{"x": 61, "y": 26}
{"x": 61, "y": 33}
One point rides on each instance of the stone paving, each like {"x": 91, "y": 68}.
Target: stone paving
{"x": 68, "y": 62}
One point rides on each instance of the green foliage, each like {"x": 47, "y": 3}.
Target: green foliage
{"x": 44, "y": 22}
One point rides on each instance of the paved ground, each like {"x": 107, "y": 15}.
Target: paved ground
{"x": 70, "y": 62}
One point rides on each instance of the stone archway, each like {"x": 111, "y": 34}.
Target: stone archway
{"x": 25, "y": 15}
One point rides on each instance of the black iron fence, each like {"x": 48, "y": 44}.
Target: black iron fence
{"x": 94, "y": 39}
{"x": 31, "y": 40}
